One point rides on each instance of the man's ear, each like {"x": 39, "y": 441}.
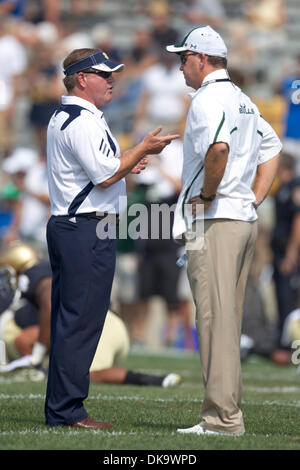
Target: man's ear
{"x": 202, "y": 60}
{"x": 81, "y": 79}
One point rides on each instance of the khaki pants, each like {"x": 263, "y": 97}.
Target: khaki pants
{"x": 114, "y": 345}
{"x": 218, "y": 274}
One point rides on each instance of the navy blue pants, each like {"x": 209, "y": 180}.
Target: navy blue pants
{"x": 83, "y": 268}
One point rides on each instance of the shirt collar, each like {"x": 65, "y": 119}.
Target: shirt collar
{"x": 67, "y": 99}
{"x": 215, "y": 75}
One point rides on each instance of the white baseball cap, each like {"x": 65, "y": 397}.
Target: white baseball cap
{"x": 201, "y": 39}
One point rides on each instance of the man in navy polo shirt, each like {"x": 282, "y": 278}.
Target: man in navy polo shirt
{"x": 86, "y": 183}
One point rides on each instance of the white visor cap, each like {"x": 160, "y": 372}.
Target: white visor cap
{"x": 201, "y": 39}
{"x": 109, "y": 67}
{"x": 98, "y": 61}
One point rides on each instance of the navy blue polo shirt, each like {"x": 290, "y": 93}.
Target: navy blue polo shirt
{"x": 81, "y": 154}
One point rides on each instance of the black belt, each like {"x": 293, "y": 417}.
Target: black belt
{"x": 94, "y": 215}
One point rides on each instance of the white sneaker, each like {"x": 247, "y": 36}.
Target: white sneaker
{"x": 171, "y": 380}
{"x": 199, "y": 430}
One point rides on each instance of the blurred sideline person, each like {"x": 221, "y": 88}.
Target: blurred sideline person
{"x": 21, "y": 309}
{"x": 27, "y": 170}
{"x": 285, "y": 242}
{"x": 259, "y": 334}
{"x": 158, "y": 274}
{"x": 163, "y": 97}
{"x": 32, "y": 280}
{"x": 291, "y": 331}
{"x": 289, "y": 89}
{"x": 226, "y": 145}
{"x": 13, "y": 62}
{"x": 162, "y": 30}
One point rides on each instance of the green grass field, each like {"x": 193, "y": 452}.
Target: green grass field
{"x": 147, "y": 417}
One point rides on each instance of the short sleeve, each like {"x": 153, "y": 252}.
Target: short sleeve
{"x": 93, "y": 149}
{"x": 209, "y": 126}
{"x": 270, "y": 144}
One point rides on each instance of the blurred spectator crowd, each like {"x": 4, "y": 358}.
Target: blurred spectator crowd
{"x": 264, "y": 60}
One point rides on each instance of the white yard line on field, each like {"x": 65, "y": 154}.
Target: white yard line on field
{"x": 289, "y": 376}
{"x": 31, "y": 396}
{"x": 74, "y": 432}
{"x": 264, "y": 389}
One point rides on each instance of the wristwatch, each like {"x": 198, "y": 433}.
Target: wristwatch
{"x": 207, "y": 198}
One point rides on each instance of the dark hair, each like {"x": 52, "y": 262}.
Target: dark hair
{"x": 74, "y": 56}
{"x": 217, "y": 62}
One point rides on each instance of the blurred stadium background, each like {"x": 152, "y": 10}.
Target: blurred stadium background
{"x": 35, "y": 35}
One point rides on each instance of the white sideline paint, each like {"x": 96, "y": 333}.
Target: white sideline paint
{"x": 249, "y": 388}
{"x": 289, "y": 376}
{"x": 264, "y": 389}
{"x": 294, "y": 403}
{"x": 78, "y": 433}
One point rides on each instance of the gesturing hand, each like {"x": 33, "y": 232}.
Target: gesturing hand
{"x": 140, "y": 166}
{"x": 155, "y": 144}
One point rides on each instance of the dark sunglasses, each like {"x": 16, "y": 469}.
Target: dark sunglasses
{"x": 100, "y": 73}
{"x": 184, "y": 57}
